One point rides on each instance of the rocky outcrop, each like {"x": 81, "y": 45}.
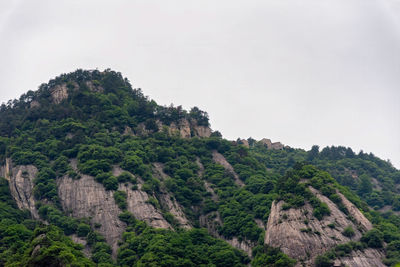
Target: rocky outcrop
{"x": 85, "y": 198}
{"x": 94, "y": 87}
{"x": 186, "y": 129}
{"x": 220, "y": 159}
{"x": 244, "y": 142}
{"x": 367, "y": 257}
{"x": 34, "y": 104}
{"x": 20, "y": 179}
{"x": 270, "y": 145}
{"x": 202, "y": 131}
{"x": 138, "y": 204}
{"x": 59, "y": 93}
{"x": 182, "y": 128}
{"x": 300, "y": 235}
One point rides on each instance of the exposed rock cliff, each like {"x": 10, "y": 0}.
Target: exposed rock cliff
{"x": 21, "y": 184}
{"x": 85, "y": 198}
{"x": 139, "y": 206}
{"x": 270, "y": 145}
{"x": 186, "y": 129}
{"x": 303, "y": 237}
{"x": 368, "y": 257}
{"x": 59, "y": 93}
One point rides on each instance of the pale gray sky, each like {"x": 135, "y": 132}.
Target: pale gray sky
{"x": 323, "y": 72}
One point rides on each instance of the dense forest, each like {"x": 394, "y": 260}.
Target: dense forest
{"x": 99, "y": 121}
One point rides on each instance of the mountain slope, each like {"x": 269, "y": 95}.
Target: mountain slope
{"x": 135, "y": 183}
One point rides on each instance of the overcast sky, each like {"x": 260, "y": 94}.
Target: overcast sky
{"x": 300, "y": 72}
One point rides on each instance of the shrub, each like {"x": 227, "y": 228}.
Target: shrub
{"x": 373, "y": 238}
{"x": 348, "y": 231}
{"x": 83, "y": 230}
{"x": 111, "y": 183}
{"x": 120, "y": 199}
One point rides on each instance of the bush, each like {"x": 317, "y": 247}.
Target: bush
{"x": 111, "y": 183}
{"x": 373, "y": 238}
{"x": 126, "y": 177}
{"x": 83, "y": 230}
{"x": 323, "y": 261}
{"x": 348, "y": 231}
{"x": 120, "y": 199}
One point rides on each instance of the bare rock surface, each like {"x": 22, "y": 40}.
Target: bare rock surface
{"x": 85, "y": 198}
{"x": 202, "y": 131}
{"x": 138, "y": 203}
{"x": 366, "y": 258}
{"x": 270, "y": 145}
{"x": 220, "y": 159}
{"x": 59, "y": 93}
{"x": 20, "y": 179}
{"x": 302, "y": 236}
{"x": 182, "y": 128}
{"x": 244, "y": 142}
{"x": 139, "y": 206}
{"x": 363, "y": 222}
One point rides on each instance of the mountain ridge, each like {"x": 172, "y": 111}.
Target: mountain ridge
{"x": 119, "y": 174}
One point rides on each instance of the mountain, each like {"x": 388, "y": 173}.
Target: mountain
{"x": 95, "y": 173}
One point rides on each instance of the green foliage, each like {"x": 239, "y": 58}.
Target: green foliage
{"x": 126, "y": 177}
{"x": 268, "y": 256}
{"x": 120, "y": 199}
{"x": 373, "y": 238}
{"x": 143, "y": 245}
{"x": 83, "y": 230}
{"x": 323, "y": 261}
{"x": 348, "y": 231}
{"x": 92, "y": 125}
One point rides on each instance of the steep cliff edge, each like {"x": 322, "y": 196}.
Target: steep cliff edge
{"x": 21, "y": 184}
{"x": 300, "y": 235}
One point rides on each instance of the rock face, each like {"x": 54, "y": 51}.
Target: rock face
{"x": 367, "y": 257}
{"x": 183, "y": 128}
{"x": 187, "y": 128}
{"x": 139, "y": 206}
{"x": 59, "y": 93}
{"x": 85, "y": 198}
{"x": 270, "y": 145}
{"x": 220, "y": 159}
{"x": 202, "y": 131}
{"x": 303, "y": 237}
{"x": 244, "y": 142}
{"x": 21, "y": 184}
